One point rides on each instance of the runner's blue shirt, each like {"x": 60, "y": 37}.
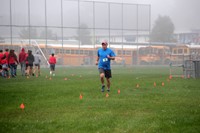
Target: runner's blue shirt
{"x": 104, "y": 62}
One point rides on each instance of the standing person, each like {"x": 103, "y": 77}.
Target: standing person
{"x": 5, "y": 71}
{"x": 1, "y": 57}
{"x": 26, "y": 68}
{"x": 1, "y": 54}
{"x": 52, "y": 62}
{"x": 37, "y": 61}
{"x": 22, "y": 61}
{"x": 30, "y": 60}
{"x": 12, "y": 59}
{"x": 15, "y": 71}
{"x": 6, "y": 53}
{"x": 104, "y": 56}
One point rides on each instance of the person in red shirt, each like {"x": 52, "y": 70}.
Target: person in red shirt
{"x": 1, "y": 56}
{"x": 12, "y": 59}
{"x": 52, "y": 62}
{"x": 22, "y": 61}
{"x": 5, "y": 71}
{"x": 6, "y": 53}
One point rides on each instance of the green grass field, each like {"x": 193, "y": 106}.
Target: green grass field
{"x": 54, "y": 106}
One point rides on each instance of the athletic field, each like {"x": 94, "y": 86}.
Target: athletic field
{"x": 72, "y": 102}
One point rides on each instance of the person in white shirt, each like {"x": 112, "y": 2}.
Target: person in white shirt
{"x": 37, "y": 62}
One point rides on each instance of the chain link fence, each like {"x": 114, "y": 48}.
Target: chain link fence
{"x": 74, "y": 30}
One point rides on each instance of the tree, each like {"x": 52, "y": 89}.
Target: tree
{"x": 84, "y": 34}
{"x": 163, "y": 30}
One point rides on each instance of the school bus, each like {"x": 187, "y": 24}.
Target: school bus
{"x": 77, "y": 55}
{"x": 185, "y": 52}
{"x": 154, "y": 55}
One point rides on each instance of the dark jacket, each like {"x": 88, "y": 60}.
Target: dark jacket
{"x": 30, "y": 58}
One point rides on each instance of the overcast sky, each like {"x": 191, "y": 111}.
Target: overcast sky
{"x": 184, "y": 13}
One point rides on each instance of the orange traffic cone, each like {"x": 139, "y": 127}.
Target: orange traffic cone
{"x": 118, "y": 91}
{"x": 22, "y": 106}
{"x": 154, "y": 84}
{"x": 107, "y": 95}
{"x": 81, "y": 97}
{"x": 163, "y": 84}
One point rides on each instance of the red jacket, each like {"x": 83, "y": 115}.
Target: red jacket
{"x": 12, "y": 59}
{"x": 4, "y": 61}
{"x": 22, "y": 56}
{"x": 6, "y": 54}
{"x": 1, "y": 56}
{"x": 52, "y": 60}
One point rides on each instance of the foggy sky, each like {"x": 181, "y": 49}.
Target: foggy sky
{"x": 184, "y": 13}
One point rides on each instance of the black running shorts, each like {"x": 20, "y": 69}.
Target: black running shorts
{"x": 107, "y": 73}
{"x": 52, "y": 67}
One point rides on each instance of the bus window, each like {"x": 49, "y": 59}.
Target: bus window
{"x": 185, "y": 51}
{"x": 72, "y": 52}
{"x": 154, "y": 51}
{"x": 175, "y": 51}
{"x": 81, "y": 52}
{"x": 86, "y": 52}
{"x": 142, "y": 51}
{"x": 76, "y": 51}
{"x": 167, "y": 51}
{"x": 180, "y": 51}
{"x": 127, "y": 52}
{"x": 67, "y": 51}
{"x": 61, "y": 51}
{"x": 119, "y": 52}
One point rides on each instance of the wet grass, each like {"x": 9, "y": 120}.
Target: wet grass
{"x": 54, "y": 105}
